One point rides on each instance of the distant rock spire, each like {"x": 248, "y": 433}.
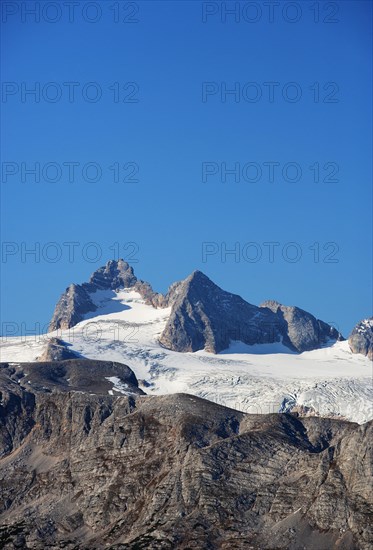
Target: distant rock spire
{"x": 361, "y": 338}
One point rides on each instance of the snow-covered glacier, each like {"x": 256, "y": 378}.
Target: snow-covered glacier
{"x": 331, "y": 381}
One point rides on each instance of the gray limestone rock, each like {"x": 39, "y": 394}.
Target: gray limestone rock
{"x": 206, "y": 317}
{"x": 361, "y": 338}
{"x": 71, "y": 307}
{"x": 115, "y": 274}
{"x": 303, "y": 332}
{"x": 56, "y": 350}
{"x": 87, "y": 472}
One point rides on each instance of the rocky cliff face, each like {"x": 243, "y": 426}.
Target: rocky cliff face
{"x": 361, "y": 338}
{"x": 302, "y": 331}
{"x": 84, "y": 470}
{"x": 71, "y": 307}
{"x": 72, "y": 375}
{"x": 115, "y": 274}
{"x": 56, "y": 350}
{"x": 206, "y": 317}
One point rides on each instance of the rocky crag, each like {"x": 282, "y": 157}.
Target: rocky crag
{"x": 302, "y": 331}
{"x": 361, "y": 338}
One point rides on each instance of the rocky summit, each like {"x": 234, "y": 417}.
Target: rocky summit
{"x": 85, "y": 470}
{"x": 203, "y": 316}
{"x": 77, "y": 300}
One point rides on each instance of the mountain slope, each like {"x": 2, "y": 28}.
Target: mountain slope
{"x": 72, "y": 375}
{"x": 263, "y": 378}
{"x": 124, "y": 326}
{"x": 175, "y": 472}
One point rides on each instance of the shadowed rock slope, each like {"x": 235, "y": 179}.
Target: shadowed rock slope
{"x": 206, "y": 317}
{"x": 82, "y": 471}
{"x": 84, "y": 375}
{"x": 301, "y": 330}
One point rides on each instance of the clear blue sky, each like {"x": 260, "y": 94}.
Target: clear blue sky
{"x": 170, "y": 132}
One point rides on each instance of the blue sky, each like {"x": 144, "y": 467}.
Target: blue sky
{"x": 166, "y": 135}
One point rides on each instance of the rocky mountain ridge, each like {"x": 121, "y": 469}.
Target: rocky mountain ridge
{"x": 203, "y": 316}
{"x": 86, "y": 471}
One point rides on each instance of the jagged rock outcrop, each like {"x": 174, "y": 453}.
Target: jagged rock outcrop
{"x": 361, "y": 338}
{"x": 77, "y": 300}
{"x": 303, "y": 332}
{"x": 83, "y": 471}
{"x": 57, "y": 350}
{"x": 71, "y": 307}
{"x": 115, "y": 274}
{"x": 78, "y": 374}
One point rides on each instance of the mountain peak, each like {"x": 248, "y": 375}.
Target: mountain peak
{"x": 115, "y": 274}
{"x": 198, "y": 276}
{"x": 120, "y": 264}
{"x": 203, "y": 316}
{"x": 303, "y": 331}
{"x": 76, "y": 301}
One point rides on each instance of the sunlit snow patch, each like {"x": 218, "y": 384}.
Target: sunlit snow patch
{"x": 118, "y": 385}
